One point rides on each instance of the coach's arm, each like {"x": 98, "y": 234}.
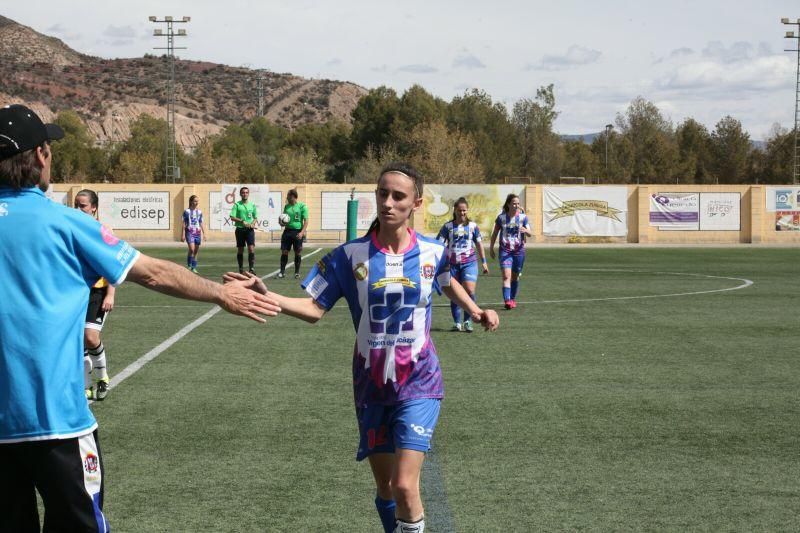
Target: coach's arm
{"x": 239, "y": 297}
{"x": 303, "y": 308}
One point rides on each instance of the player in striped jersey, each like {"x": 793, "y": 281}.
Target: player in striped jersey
{"x": 513, "y": 227}
{"x": 193, "y": 232}
{"x": 388, "y": 278}
{"x": 462, "y": 238}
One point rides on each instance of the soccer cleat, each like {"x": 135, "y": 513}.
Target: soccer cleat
{"x": 102, "y": 390}
{"x": 241, "y": 271}
{"x": 507, "y": 304}
{"x": 281, "y": 275}
{"x": 252, "y": 271}
{"x": 456, "y": 327}
{"x": 468, "y": 326}
{"x": 513, "y": 304}
{"x": 297, "y": 275}
{"x": 194, "y": 270}
{"x": 89, "y": 393}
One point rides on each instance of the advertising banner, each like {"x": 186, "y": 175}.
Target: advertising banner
{"x": 585, "y": 211}
{"x": 720, "y": 211}
{"x": 334, "y": 210}
{"x": 59, "y": 197}
{"x": 485, "y": 203}
{"x": 783, "y": 198}
{"x": 134, "y": 210}
{"x": 268, "y": 206}
{"x": 675, "y": 211}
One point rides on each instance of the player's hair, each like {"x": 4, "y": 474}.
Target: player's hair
{"x": 244, "y": 189}
{"x": 509, "y": 199}
{"x": 399, "y": 167}
{"x": 192, "y": 197}
{"x": 22, "y": 170}
{"x": 292, "y": 194}
{"x": 461, "y": 200}
{"x": 89, "y": 193}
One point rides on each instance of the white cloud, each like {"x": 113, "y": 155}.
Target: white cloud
{"x": 120, "y": 32}
{"x": 575, "y": 56}
{"x": 418, "y": 69}
{"x": 466, "y": 60}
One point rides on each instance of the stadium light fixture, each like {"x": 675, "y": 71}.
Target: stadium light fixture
{"x": 153, "y": 19}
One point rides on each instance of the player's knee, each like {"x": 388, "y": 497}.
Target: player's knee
{"x": 91, "y": 338}
{"x": 406, "y": 491}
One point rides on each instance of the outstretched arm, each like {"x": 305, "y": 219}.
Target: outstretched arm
{"x": 303, "y": 308}
{"x": 238, "y": 298}
{"x": 459, "y": 296}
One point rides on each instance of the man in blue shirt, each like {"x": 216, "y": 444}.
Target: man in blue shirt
{"x": 49, "y": 257}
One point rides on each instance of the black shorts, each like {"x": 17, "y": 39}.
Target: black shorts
{"x": 245, "y": 236}
{"x": 95, "y": 316}
{"x": 68, "y": 473}
{"x": 290, "y": 238}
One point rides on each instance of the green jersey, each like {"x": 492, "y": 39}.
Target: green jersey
{"x": 245, "y": 211}
{"x": 298, "y": 213}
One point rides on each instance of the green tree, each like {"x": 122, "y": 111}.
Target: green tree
{"x": 694, "y": 152}
{"x": 580, "y": 161}
{"x": 75, "y": 159}
{"x": 730, "y": 146}
{"x": 654, "y": 152}
{"x": 204, "y": 167}
{"x": 141, "y": 158}
{"x": 373, "y": 118}
{"x": 443, "y": 156}
{"x": 539, "y": 147}
{"x": 236, "y": 143}
{"x": 416, "y": 106}
{"x": 776, "y": 166}
{"x": 300, "y": 165}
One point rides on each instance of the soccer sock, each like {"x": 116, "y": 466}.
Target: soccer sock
{"x": 240, "y": 259}
{"x": 297, "y": 259}
{"x": 386, "y": 512}
{"x": 98, "y": 356}
{"x": 514, "y": 288}
{"x": 455, "y": 310}
{"x": 284, "y": 260}
{"x": 410, "y": 527}
{"x": 194, "y": 262}
{"x": 251, "y": 260}
{"x": 87, "y": 370}
{"x": 189, "y": 260}
{"x": 506, "y": 293}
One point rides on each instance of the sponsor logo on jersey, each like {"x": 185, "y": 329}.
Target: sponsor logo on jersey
{"x": 422, "y": 431}
{"x": 317, "y": 286}
{"x": 108, "y": 236}
{"x": 91, "y": 463}
{"x": 3, "y": 209}
{"x": 321, "y": 266}
{"x": 397, "y": 263}
{"x": 427, "y": 271}
{"x": 360, "y": 272}
{"x": 383, "y": 282}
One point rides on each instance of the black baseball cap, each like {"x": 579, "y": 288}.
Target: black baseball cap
{"x": 22, "y": 130}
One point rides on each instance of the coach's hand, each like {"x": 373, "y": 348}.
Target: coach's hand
{"x": 247, "y": 296}
{"x": 488, "y": 319}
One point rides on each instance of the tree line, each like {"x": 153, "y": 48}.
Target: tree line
{"x": 471, "y": 139}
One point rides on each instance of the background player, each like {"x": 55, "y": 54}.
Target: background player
{"x": 101, "y": 302}
{"x": 462, "y": 237}
{"x": 513, "y": 226}
{"x": 193, "y": 232}
{"x": 388, "y": 278}
{"x": 245, "y": 215}
{"x": 294, "y": 231}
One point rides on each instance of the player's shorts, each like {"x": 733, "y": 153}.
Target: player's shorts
{"x": 95, "y": 316}
{"x": 68, "y": 471}
{"x": 193, "y": 238}
{"x": 514, "y": 261}
{"x": 408, "y": 425}
{"x": 465, "y": 272}
{"x": 245, "y": 236}
{"x": 290, "y": 239}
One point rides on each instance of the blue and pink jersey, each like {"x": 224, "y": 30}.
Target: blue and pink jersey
{"x": 511, "y": 239}
{"x": 389, "y": 296}
{"x": 461, "y": 240}
{"x": 193, "y": 218}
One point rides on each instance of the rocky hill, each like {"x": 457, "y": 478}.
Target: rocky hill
{"x": 49, "y": 76}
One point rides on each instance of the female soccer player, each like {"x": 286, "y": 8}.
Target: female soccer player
{"x": 387, "y": 278}
{"x": 193, "y": 232}
{"x": 462, "y": 237}
{"x": 512, "y": 225}
{"x": 101, "y": 301}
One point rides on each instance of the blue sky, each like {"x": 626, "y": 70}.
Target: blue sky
{"x": 701, "y": 59}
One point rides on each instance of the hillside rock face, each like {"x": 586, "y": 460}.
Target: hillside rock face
{"x": 47, "y": 75}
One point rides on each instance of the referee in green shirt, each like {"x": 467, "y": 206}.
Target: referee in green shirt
{"x": 245, "y": 216}
{"x": 294, "y": 232}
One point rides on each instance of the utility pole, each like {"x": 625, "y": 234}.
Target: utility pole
{"x": 796, "y": 157}
{"x": 260, "y": 94}
{"x": 609, "y": 127}
{"x": 172, "y": 171}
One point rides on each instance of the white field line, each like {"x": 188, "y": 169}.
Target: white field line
{"x": 158, "y": 350}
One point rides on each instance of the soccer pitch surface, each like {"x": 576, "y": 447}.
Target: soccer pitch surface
{"x": 631, "y": 389}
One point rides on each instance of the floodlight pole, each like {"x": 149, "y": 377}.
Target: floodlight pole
{"x": 609, "y": 127}
{"x": 260, "y": 94}
{"x": 792, "y": 35}
{"x": 171, "y": 169}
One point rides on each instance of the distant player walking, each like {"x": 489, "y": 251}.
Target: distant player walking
{"x": 388, "y": 278}
{"x": 293, "y": 232}
{"x": 101, "y": 302}
{"x": 245, "y": 216}
{"x": 512, "y": 225}
{"x": 193, "y": 232}
{"x": 462, "y": 238}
